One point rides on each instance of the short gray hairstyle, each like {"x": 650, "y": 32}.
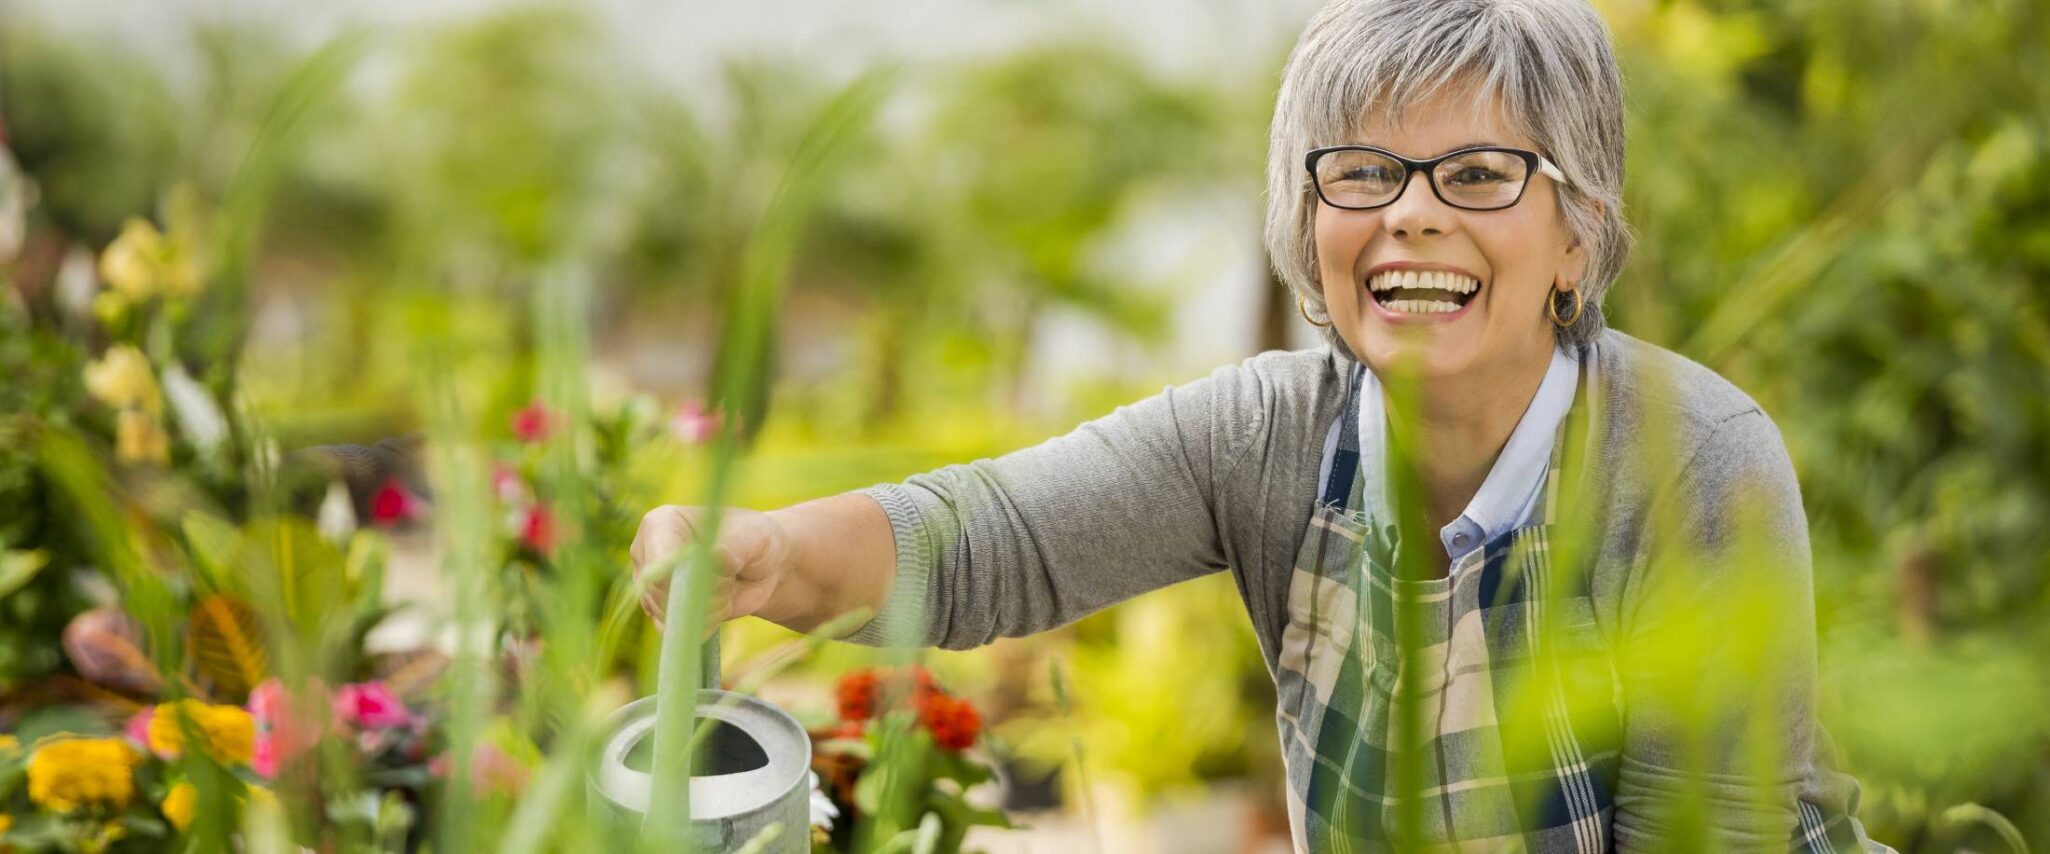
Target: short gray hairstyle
{"x": 1550, "y": 64}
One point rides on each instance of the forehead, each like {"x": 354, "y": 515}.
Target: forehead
{"x": 1453, "y": 117}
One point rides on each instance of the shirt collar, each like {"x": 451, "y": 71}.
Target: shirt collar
{"x": 1508, "y": 498}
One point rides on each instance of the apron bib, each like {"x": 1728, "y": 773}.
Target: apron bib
{"x": 1518, "y": 727}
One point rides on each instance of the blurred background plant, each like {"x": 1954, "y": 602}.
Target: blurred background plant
{"x": 446, "y": 226}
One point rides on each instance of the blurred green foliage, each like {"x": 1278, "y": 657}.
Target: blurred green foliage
{"x": 1842, "y": 206}
{"x": 1845, "y": 208}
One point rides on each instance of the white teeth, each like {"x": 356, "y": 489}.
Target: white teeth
{"x": 1423, "y": 279}
{"x": 1421, "y": 306}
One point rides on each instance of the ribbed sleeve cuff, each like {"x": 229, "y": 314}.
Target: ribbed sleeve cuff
{"x": 906, "y": 616}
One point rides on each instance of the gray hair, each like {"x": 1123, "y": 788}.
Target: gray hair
{"x": 1548, "y": 62}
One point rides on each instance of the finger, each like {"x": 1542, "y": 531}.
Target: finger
{"x": 652, "y": 521}
{"x": 731, "y": 568}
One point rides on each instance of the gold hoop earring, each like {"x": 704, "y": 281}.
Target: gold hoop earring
{"x": 1552, "y": 308}
{"x": 1302, "y": 307}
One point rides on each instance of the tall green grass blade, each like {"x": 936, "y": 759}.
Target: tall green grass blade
{"x": 740, "y": 390}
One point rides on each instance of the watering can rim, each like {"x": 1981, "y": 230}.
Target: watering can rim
{"x": 712, "y": 797}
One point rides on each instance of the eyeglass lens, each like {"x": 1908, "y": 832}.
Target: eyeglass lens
{"x": 1351, "y": 178}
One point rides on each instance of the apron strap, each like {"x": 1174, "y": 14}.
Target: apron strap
{"x": 1345, "y": 461}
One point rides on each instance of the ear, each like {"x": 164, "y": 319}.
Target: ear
{"x": 1574, "y": 260}
{"x": 1573, "y": 263}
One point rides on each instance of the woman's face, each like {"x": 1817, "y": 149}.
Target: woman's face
{"x": 1509, "y": 259}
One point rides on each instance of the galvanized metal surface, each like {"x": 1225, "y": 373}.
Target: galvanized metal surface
{"x": 758, "y": 768}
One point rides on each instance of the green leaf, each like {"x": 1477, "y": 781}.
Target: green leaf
{"x": 961, "y": 768}
{"x": 211, "y": 541}
{"x": 225, "y": 643}
{"x": 138, "y": 824}
{"x": 18, "y": 568}
{"x": 286, "y": 561}
{"x": 957, "y": 810}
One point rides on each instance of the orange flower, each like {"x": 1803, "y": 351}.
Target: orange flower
{"x": 953, "y": 721}
{"x": 856, "y": 694}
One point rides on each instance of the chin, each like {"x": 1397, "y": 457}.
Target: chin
{"x": 1426, "y": 352}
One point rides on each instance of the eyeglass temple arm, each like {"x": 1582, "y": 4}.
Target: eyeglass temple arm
{"x": 1550, "y": 170}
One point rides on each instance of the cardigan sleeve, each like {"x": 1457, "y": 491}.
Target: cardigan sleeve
{"x": 1717, "y": 667}
{"x": 1041, "y": 537}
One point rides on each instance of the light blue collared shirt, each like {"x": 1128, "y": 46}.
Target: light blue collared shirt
{"x": 1508, "y": 498}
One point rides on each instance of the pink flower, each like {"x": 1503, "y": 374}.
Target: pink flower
{"x": 283, "y": 728}
{"x": 507, "y": 484}
{"x": 532, "y": 423}
{"x": 537, "y": 531}
{"x": 392, "y": 504}
{"x": 267, "y": 702}
{"x": 137, "y": 728}
{"x": 694, "y": 424}
{"x": 264, "y": 759}
{"x": 370, "y": 705}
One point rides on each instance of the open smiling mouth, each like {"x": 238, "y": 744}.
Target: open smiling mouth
{"x": 1423, "y": 291}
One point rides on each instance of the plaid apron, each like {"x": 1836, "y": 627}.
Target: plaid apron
{"x": 1516, "y": 741}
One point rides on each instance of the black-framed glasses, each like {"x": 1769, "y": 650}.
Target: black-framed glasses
{"x": 1362, "y": 177}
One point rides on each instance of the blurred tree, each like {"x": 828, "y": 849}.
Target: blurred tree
{"x": 1042, "y": 153}
{"x": 96, "y": 127}
{"x": 1845, "y": 207}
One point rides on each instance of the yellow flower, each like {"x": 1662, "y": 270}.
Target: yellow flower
{"x": 142, "y": 262}
{"x": 130, "y": 263}
{"x": 122, "y": 379}
{"x": 8, "y": 743}
{"x": 6, "y": 821}
{"x": 179, "y": 805}
{"x": 139, "y": 438}
{"x": 70, "y": 773}
{"x": 109, "y": 307}
{"x": 229, "y": 731}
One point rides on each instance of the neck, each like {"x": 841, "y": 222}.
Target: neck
{"x": 1456, "y": 427}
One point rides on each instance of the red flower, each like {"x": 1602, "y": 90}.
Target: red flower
{"x": 953, "y": 721}
{"x": 392, "y": 504}
{"x": 532, "y": 423}
{"x": 856, "y": 694}
{"x": 370, "y": 705}
{"x": 538, "y": 530}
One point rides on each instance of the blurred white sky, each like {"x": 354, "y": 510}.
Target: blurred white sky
{"x": 685, "y": 40}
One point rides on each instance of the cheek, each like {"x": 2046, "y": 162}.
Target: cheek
{"x": 1339, "y": 241}
{"x": 1524, "y": 256}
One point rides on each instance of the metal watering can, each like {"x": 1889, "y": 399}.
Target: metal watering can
{"x": 755, "y": 771}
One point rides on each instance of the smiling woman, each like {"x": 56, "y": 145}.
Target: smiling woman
{"x": 1522, "y": 582}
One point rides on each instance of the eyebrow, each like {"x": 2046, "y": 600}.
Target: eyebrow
{"x": 1460, "y": 147}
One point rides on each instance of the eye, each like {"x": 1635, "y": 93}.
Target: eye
{"x": 1374, "y": 174}
{"x": 1477, "y": 175}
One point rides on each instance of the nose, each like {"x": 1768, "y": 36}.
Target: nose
{"x": 1418, "y": 212}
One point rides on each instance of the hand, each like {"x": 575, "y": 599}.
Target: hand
{"x": 751, "y": 556}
